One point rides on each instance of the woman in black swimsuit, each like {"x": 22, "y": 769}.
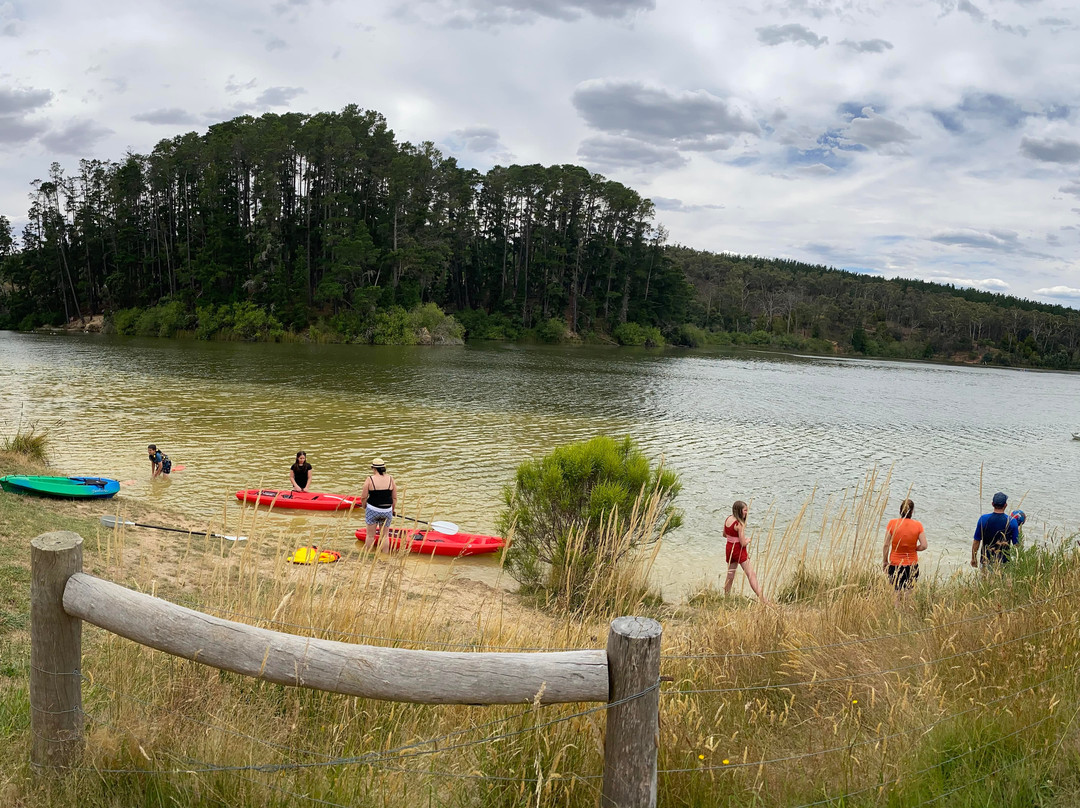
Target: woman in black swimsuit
{"x": 300, "y": 472}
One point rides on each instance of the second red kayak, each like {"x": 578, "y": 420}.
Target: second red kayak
{"x": 300, "y": 500}
{"x": 431, "y": 542}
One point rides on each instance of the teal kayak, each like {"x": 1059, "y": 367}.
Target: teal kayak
{"x": 69, "y": 487}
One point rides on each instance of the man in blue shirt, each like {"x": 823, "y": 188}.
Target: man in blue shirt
{"x": 996, "y": 533}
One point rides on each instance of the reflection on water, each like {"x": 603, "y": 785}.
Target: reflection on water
{"x": 454, "y": 422}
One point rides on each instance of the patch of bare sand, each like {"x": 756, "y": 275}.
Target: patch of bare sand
{"x": 387, "y": 596}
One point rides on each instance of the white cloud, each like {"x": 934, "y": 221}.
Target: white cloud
{"x": 986, "y": 284}
{"x": 1066, "y": 292}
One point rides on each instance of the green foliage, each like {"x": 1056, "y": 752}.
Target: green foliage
{"x": 635, "y": 334}
{"x": 29, "y": 440}
{"x": 393, "y": 327}
{"x": 481, "y": 325}
{"x": 430, "y": 323}
{"x": 553, "y": 330}
{"x": 124, "y": 321}
{"x": 560, "y": 507}
{"x": 691, "y": 336}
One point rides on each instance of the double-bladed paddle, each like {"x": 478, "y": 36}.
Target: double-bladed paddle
{"x": 112, "y": 521}
{"x": 446, "y": 528}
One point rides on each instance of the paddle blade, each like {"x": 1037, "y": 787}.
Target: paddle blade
{"x": 179, "y": 467}
{"x": 233, "y": 538}
{"x": 446, "y": 528}
{"x": 112, "y": 521}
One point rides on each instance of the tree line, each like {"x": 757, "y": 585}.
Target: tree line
{"x": 327, "y": 224}
{"x": 330, "y": 216}
{"x": 791, "y": 304}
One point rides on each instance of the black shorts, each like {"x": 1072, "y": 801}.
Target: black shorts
{"x": 903, "y": 577}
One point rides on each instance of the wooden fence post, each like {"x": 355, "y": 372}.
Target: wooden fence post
{"x": 633, "y": 728}
{"x": 56, "y": 717}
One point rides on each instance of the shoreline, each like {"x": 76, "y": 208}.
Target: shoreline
{"x": 95, "y": 326}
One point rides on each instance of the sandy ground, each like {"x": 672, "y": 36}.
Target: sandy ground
{"x": 192, "y": 568}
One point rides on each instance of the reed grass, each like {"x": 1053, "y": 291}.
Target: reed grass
{"x": 29, "y": 440}
{"x": 967, "y": 690}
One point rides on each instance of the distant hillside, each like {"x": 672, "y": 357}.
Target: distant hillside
{"x": 781, "y": 302}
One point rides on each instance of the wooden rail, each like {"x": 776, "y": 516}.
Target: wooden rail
{"x": 626, "y": 674}
{"x": 371, "y": 672}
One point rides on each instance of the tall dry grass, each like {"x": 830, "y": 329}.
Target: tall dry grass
{"x": 967, "y": 694}
{"x": 29, "y": 440}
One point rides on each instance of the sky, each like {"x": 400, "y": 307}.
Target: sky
{"x": 935, "y": 140}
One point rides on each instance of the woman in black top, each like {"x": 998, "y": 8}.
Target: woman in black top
{"x": 378, "y": 499}
{"x": 300, "y": 472}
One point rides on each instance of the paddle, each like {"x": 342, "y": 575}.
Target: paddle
{"x": 446, "y": 528}
{"x": 112, "y": 521}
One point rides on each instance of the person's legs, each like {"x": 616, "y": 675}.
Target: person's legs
{"x": 732, "y": 568}
{"x": 383, "y": 526}
{"x": 751, "y": 576}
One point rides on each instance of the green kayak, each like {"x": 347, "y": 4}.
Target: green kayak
{"x": 68, "y": 487}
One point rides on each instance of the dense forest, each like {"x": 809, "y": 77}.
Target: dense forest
{"x": 326, "y": 227}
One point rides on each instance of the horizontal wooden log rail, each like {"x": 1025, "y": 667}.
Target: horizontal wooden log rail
{"x": 391, "y": 674}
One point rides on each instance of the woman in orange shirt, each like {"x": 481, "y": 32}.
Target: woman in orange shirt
{"x": 904, "y": 539}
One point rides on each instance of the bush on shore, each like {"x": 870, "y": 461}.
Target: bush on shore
{"x": 425, "y": 324}
{"x": 578, "y": 514}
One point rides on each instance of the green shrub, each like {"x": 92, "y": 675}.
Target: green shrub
{"x": 440, "y": 326}
{"x": 581, "y": 511}
{"x": 691, "y": 336}
{"x": 553, "y": 330}
{"x": 637, "y": 334}
{"x": 207, "y": 322}
{"x": 124, "y": 321}
{"x": 478, "y": 324}
{"x": 148, "y": 323}
{"x": 172, "y": 317}
{"x": 629, "y": 334}
{"x": 393, "y": 327}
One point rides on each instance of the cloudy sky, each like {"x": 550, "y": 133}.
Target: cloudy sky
{"x": 936, "y": 140}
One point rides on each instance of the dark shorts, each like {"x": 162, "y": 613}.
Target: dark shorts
{"x": 903, "y": 577}
{"x": 735, "y": 553}
{"x": 996, "y": 554}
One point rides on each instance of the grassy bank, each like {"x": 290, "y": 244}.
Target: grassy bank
{"x": 966, "y": 695}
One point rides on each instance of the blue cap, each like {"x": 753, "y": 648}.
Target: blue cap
{"x": 999, "y": 500}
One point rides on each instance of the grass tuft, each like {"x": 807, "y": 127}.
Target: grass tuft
{"x": 30, "y": 440}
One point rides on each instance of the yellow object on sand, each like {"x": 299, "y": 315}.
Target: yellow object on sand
{"x": 311, "y": 555}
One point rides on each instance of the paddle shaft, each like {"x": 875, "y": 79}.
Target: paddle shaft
{"x": 109, "y": 521}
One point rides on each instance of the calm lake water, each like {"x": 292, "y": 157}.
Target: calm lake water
{"x": 453, "y": 423}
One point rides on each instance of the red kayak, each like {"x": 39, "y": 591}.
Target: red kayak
{"x": 431, "y": 542}
{"x": 302, "y": 500}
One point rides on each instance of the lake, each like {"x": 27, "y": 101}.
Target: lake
{"x": 453, "y": 422}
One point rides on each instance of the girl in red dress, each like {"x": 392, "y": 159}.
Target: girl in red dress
{"x": 735, "y": 551}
